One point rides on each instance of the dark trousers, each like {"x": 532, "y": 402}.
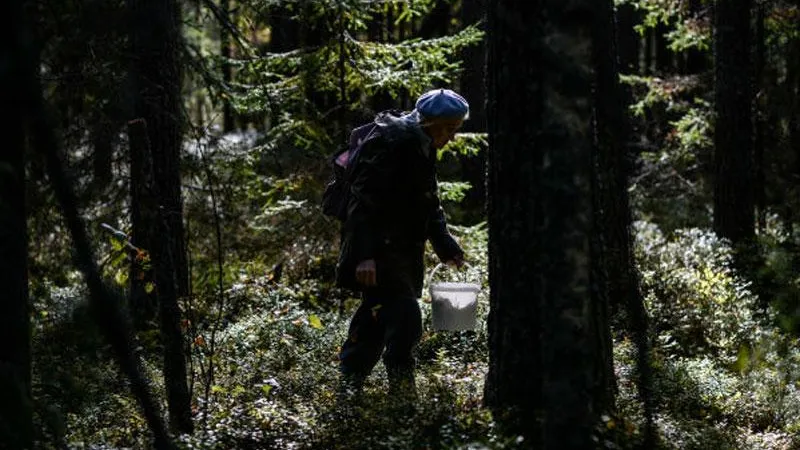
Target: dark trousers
{"x": 384, "y": 325}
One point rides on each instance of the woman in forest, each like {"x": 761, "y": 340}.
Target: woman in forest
{"x": 393, "y": 209}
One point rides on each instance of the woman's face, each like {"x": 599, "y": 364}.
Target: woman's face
{"x": 442, "y": 132}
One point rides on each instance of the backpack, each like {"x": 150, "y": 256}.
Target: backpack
{"x": 337, "y": 192}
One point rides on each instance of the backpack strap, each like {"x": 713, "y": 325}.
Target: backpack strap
{"x": 358, "y": 137}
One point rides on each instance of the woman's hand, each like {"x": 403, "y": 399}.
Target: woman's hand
{"x": 457, "y": 261}
{"x": 365, "y": 272}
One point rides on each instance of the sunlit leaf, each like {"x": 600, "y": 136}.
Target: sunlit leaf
{"x": 121, "y": 278}
{"x": 315, "y": 322}
{"x": 238, "y": 390}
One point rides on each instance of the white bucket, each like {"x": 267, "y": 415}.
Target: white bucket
{"x": 454, "y": 305}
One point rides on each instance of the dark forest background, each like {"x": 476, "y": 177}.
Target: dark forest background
{"x": 627, "y": 189}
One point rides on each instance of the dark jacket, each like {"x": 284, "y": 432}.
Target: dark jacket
{"x": 394, "y": 208}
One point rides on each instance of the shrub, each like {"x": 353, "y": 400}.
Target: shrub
{"x": 697, "y": 303}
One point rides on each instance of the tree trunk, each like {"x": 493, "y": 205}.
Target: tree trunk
{"x": 663, "y": 53}
{"x": 696, "y": 60}
{"x": 793, "y": 89}
{"x": 437, "y": 22}
{"x": 16, "y": 426}
{"x": 375, "y": 26}
{"x": 144, "y": 214}
{"x": 389, "y": 24}
{"x": 102, "y": 159}
{"x": 788, "y": 162}
{"x": 473, "y": 81}
{"x": 649, "y": 37}
{"x": 378, "y": 32}
{"x": 473, "y": 88}
{"x": 541, "y": 381}
{"x": 630, "y": 49}
{"x": 611, "y": 266}
{"x": 760, "y": 122}
{"x": 733, "y": 188}
{"x": 402, "y": 30}
{"x": 614, "y": 273}
{"x": 156, "y": 41}
{"x": 628, "y": 40}
{"x": 285, "y": 31}
{"x": 228, "y": 117}
{"x": 315, "y": 35}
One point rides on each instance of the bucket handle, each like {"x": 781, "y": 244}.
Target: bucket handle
{"x": 439, "y": 266}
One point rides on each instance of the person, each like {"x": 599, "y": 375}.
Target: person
{"x": 393, "y": 210}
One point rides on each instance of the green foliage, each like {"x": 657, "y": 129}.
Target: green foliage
{"x": 672, "y": 117}
{"x": 300, "y": 88}
{"x": 452, "y": 191}
{"x": 654, "y": 92}
{"x": 690, "y": 30}
{"x": 777, "y": 275}
{"x": 693, "y": 130}
{"x": 690, "y": 34}
{"x": 697, "y": 303}
{"x": 725, "y": 376}
{"x": 467, "y": 144}
{"x": 414, "y": 64}
{"x": 276, "y": 359}
{"x": 671, "y": 185}
{"x": 781, "y": 24}
{"x": 80, "y": 394}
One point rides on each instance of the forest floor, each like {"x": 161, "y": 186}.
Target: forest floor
{"x": 725, "y": 378}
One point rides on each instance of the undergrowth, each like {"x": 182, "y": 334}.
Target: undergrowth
{"x": 726, "y": 376}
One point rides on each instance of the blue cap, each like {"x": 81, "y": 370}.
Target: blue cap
{"x": 442, "y": 103}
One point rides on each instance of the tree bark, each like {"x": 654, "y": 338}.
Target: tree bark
{"x": 156, "y": 40}
{"x": 473, "y": 88}
{"x": 786, "y": 102}
{"x": 144, "y": 214}
{"x": 628, "y": 40}
{"x": 437, "y": 22}
{"x": 375, "y": 26}
{"x": 760, "y": 121}
{"x": 473, "y": 79}
{"x": 615, "y": 278}
{"x": 285, "y": 30}
{"x": 389, "y": 25}
{"x": 663, "y": 53}
{"x": 649, "y": 37}
{"x": 793, "y": 90}
{"x": 102, "y": 159}
{"x": 733, "y": 188}
{"x": 541, "y": 380}
{"x": 228, "y": 117}
{"x": 16, "y": 48}
{"x": 611, "y": 267}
